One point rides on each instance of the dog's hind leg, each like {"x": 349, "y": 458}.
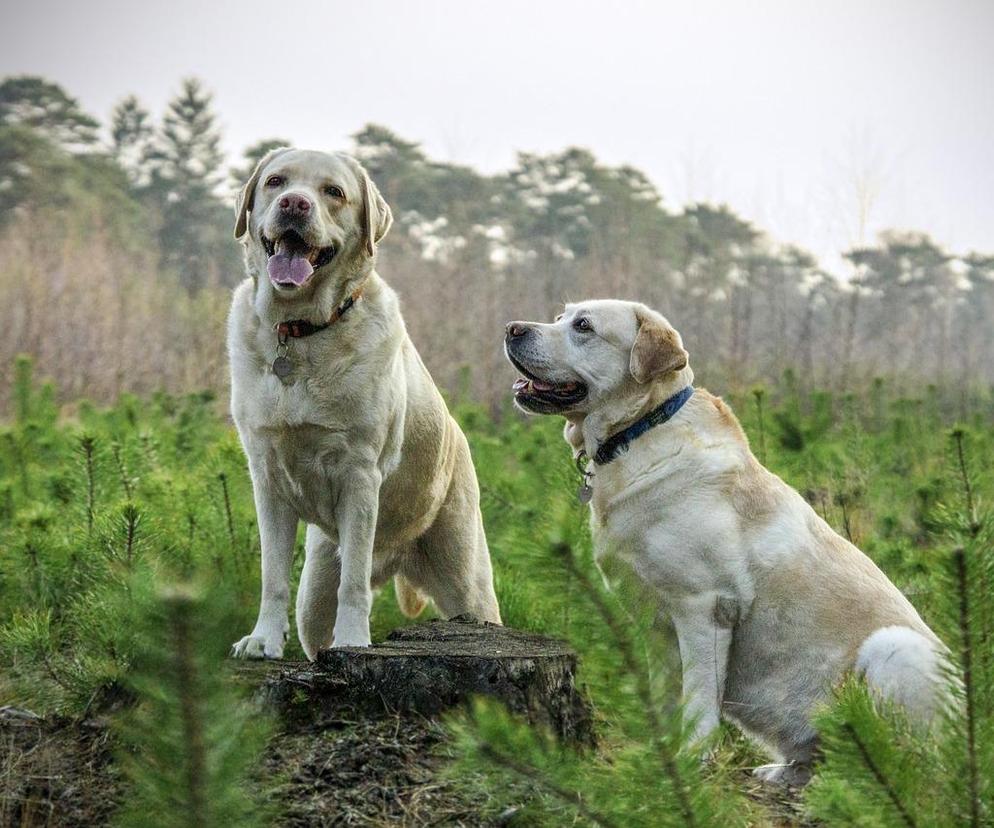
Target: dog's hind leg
{"x": 451, "y": 562}
{"x": 317, "y": 595}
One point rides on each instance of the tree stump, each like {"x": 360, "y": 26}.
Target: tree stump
{"x": 431, "y": 667}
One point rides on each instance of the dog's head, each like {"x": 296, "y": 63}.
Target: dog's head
{"x": 593, "y": 355}
{"x": 303, "y": 214}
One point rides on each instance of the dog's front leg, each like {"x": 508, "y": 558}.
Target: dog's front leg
{"x": 355, "y": 513}
{"x": 704, "y": 640}
{"x": 277, "y": 533}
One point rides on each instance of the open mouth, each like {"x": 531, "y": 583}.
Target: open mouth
{"x": 545, "y": 397}
{"x": 292, "y": 261}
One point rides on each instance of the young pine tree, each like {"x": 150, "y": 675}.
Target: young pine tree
{"x": 882, "y": 770}
{"x": 191, "y": 741}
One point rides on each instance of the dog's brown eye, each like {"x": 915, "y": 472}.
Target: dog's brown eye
{"x": 582, "y": 324}
{"x": 334, "y": 192}
{"x": 275, "y": 181}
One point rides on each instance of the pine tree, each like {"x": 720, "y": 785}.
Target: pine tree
{"x": 131, "y": 133}
{"x": 191, "y": 740}
{"x": 882, "y": 770}
{"x": 36, "y": 103}
{"x": 252, "y": 155}
{"x": 186, "y": 163}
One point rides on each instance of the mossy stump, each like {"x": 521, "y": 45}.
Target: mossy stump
{"x": 432, "y": 667}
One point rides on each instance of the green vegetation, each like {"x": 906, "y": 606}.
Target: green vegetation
{"x": 128, "y": 545}
{"x": 129, "y": 562}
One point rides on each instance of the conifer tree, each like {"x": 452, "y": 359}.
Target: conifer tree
{"x": 44, "y": 106}
{"x": 131, "y": 132}
{"x": 882, "y": 770}
{"x": 250, "y": 157}
{"x": 186, "y": 164}
{"x": 191, "y": 741}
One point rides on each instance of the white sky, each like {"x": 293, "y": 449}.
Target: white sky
{"x": 780, "y": 109}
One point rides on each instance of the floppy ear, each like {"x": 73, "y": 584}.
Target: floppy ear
{"x": 246, "y": 198}
{"x": 657, "y": 350}
{"x": 376, "y": 214}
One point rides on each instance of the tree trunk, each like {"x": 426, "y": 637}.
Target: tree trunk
{"x": 432, "y": 667}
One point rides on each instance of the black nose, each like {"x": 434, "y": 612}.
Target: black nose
{"x": 515, "y": 329}
{"x": 294, "y": 204}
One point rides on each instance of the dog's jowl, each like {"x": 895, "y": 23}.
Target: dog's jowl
{"x": 341, "y": 423}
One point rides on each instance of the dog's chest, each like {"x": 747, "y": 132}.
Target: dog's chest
{"x": 655, "y": 526}
{"x": 263, "y": 401}
{"x": 306, "y": 465}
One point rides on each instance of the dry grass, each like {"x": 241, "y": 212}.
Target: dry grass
{"x": 100, "y": 320}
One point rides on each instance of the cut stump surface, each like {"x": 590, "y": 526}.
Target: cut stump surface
{"x": 431, "y": 667}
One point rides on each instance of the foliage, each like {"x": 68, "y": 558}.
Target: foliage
{"x": 44, "y": 106}
{"x": 101, "y": 513}
{"x": 154, "y": 208}
{"x": 190, "y": 742}
{"x": 879, "y": 769}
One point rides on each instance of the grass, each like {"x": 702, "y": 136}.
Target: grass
{"x": 106, "y": 513}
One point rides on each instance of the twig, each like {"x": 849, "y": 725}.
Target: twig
{"x": 227, "y": 508}
{"x": 878, "y": 775}
{"x": 971, "y": 514}
{"x": 193, "y": 735}
{"x": 122, "y": 471}
{"x": 967, "y": 657}
{"x": 641, "y": 682}
{"x": 758, "y": 394}
{"x": 132, "y": 517}
{"x": 87, "y": 444}
{"x": 527, "y": 772}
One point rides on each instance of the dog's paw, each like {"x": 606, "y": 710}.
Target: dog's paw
{"x": 352, "y": 641}
{"x": 255, "y": 646}
{"x": 351, "y": 628}
{"x": 792, "y": 774}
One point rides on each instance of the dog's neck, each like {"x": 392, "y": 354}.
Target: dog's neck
{"x": 586, "y": 432}
{"x": 319, "y": 302}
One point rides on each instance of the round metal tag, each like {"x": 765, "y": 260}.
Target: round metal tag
{"x": 282, "y": 367}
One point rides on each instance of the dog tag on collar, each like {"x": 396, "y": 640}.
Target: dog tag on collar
{"x": 584, "y": 493}
{"x": 282, "y": 367}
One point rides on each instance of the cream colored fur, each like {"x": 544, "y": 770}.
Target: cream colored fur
{"x": 358, "y": 442}
{"x": 770, "y": 606}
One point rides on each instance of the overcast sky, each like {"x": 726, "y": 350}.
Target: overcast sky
{"x": 784, "y": 110}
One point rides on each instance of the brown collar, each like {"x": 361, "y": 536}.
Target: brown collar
{"x": 298, "y": 328}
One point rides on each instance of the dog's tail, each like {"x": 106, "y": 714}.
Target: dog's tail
{"x": 908, "y": 668}
{"x": 411, "y": 601}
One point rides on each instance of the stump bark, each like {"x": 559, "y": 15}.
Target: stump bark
{"x": 437, "y": 665}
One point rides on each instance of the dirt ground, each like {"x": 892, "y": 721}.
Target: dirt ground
{"x": 55, "y": 772}
{"x": 338, "y": 771}
{"x": 345, "y": 769}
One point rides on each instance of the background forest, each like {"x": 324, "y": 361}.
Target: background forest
{"x": 116, "y": 261}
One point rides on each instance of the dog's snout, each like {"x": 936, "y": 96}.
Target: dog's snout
{"x": 514, "y": 330}
{"x": 295, "y": 204}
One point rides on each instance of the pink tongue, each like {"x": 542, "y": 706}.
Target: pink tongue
{"x": 285, "y": 269}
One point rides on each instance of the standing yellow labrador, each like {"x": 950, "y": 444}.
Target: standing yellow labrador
{"x": 770, "y": 606}
{"x": 341, "y": 423}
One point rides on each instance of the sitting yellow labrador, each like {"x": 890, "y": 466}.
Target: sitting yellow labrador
{"x": 341, "y": 423}
{"x": 770, "y": 606}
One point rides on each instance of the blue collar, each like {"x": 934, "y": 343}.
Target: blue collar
{"x": 618, "y": 443}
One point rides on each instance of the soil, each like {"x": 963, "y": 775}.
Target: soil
{"x": 55, "y": 772}
{"x": 359, "y": 741}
